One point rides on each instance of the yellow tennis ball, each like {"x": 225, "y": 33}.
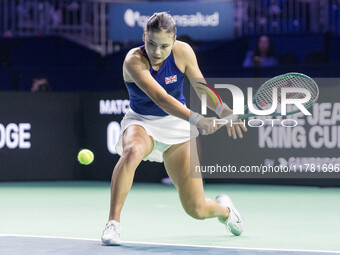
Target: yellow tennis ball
{"x": 85, "y": 157}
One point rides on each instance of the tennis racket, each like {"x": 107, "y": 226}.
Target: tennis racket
{"x": 264, "y": 95}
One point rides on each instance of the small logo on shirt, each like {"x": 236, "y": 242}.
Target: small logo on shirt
{"x": 170, "y": 79}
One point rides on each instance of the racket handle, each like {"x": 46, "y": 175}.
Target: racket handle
{"x": 231, "y": 118}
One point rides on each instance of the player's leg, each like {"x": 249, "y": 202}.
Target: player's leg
{"x": 190, "y": 189}
{"x": 177, "y": 164}
{"x": 136, "y": 145}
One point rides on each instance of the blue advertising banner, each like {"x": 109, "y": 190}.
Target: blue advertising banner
{"x": 213, "y": 20}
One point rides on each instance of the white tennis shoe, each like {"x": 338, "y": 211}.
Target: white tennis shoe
{"x": 111, "y": 233}
{"x": 235, "y": 222}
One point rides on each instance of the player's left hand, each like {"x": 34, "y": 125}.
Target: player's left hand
{"x": 236, "y": 129}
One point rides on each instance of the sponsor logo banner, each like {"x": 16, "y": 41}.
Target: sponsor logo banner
{"x": 211, "y": 20}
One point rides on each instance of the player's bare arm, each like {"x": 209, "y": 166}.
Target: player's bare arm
{"x": 188, "y": 59}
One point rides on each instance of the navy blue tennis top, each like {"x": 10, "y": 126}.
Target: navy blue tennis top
{"x": 168, "y": 76}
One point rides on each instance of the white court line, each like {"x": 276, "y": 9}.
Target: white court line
{"x": 167, "y": 244}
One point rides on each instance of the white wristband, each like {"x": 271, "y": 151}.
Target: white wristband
{"x": 220, "y": 108}
{"x": 195, "y": 118}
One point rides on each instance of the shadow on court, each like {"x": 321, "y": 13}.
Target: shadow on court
{"x": 56, "y": 246}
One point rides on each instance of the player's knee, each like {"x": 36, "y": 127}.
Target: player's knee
{"x": 134, "y": 150}
{"x": 196, "y": 211}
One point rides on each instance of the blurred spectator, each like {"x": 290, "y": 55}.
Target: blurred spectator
{"x": 274, "y": 13}
{"x": 263, "y": 55}
{"x": 40, "y": 84}
{"x": 25, "y": 14}
{"x": 274, "y": 9}
{"x": 56, "y": 16}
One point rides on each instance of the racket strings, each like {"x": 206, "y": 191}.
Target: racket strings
{"x": 265, "y": 96}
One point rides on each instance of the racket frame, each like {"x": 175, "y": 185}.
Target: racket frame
{"x": 244, "y": 116}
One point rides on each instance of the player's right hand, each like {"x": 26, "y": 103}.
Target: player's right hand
{"x": 206, "y": 126}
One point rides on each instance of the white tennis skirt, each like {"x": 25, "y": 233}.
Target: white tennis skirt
{"x": 165, "y": 131}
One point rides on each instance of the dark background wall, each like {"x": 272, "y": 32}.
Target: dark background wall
{"x": 41, "y": 134}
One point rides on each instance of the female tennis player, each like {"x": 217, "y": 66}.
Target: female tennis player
{"x": 157, "y": 126}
